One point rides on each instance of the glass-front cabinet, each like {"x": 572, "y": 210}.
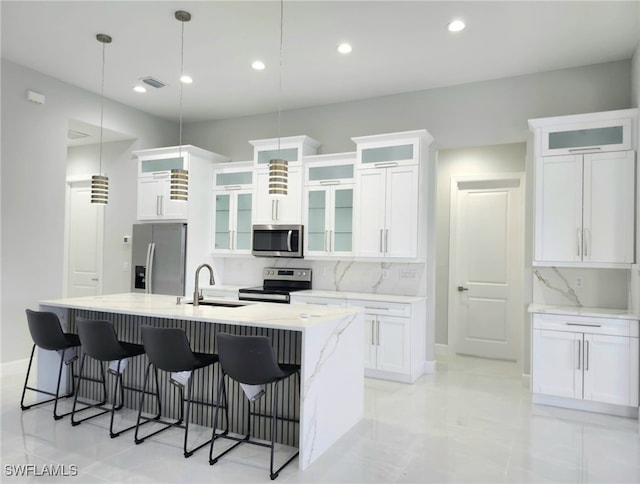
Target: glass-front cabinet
{"x": 233, "y": 199}
{"x": 329, "y": 199}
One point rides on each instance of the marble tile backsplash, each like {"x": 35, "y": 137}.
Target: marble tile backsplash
{"x": 407, "y": 279}
{"x": 605, "y": 288}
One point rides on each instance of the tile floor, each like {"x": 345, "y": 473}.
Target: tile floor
{"x": 472, "y": 421}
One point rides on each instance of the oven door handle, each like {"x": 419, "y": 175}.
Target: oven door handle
{"x": 289, "y": 235}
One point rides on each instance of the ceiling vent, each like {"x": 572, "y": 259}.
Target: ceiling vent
{"x": 153, "y": 82}
{"x": 71, "y": 134}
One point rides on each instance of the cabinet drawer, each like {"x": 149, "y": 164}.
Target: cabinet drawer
{"x": 382, "y": 307}
{"x": 321, "y": 301}
{"x": 585, "y": 324}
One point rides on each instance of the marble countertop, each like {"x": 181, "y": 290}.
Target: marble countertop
{"x": 266, "y": 315}
{"x": 582, "y": 311}
{"x": 361, "y": 295}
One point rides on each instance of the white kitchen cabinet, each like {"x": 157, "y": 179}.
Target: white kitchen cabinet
{"x": 585, "y": 209}
{"x": 586, "y": 359}
{"x": 154, "y": 181}
{"x": 329, "y": 204}
{"x": 233, "y": 208}
{"x": 586, "y": 136}
{"x": 389, "y": 198}
{"x": 393, "y": 189}
{"x": 270, "y": 209}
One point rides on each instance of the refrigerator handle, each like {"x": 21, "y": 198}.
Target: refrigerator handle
{"x": 149, "y": 272}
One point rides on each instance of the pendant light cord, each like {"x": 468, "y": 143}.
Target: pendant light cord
{"x": 104, "y": 45}
{"x": 280, "y": 76}
{"x": 181, "y": 86}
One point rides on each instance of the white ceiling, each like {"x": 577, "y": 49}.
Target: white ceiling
{"x": 397, "y": 47}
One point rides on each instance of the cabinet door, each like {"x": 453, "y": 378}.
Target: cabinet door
{"x": 317, "y": 215}
{"x": 222, "y": 223}
{"x": 370, "y": 347}
{"x": 587, "y": 137}
{"x": 607, "y": 363}
{"x": 280, "y": 210}
{"x": 558, "y": 226}
{"x": 242, "y": 228}
{"x": 371, "y": 209}
{"x": 557, "y": 363}
{"x": 401, "y": 228}
{"x": 148, "y": 198}
{"x": 608, "y": 225}
{"x": 171, "y": 209}
{"x": 393, "y": 339}
{"x": 341, "y": 222}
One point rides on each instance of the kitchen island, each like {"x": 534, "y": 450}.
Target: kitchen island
{"x": 326, "y": 342}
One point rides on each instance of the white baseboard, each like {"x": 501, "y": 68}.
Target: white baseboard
{"x": 16, "y": 367}
{"x": 442, "y": 351}
{"x": 526, "y": 381}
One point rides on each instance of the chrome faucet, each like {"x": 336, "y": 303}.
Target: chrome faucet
{"x": 196, "y": 292}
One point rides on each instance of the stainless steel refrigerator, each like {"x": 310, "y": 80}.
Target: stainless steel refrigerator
{"x": 158, "y": 258}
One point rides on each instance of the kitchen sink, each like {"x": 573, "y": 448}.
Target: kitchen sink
{"x": 221, "y": 304}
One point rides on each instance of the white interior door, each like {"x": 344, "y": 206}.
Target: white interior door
{"x": 486, "y": 267}
{"x": 84, "y": 242}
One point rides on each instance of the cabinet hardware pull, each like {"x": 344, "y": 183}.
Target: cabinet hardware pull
{"x": 233, "y": 187}
{"x": 94, "y": 279}
{"x": 386, "y": 240}
{"x": 373, "y": 332}
{"x": 330, "y": 240}
{"x": 233, "y": 236}
{"x": 376, "y": 308}
{"x": 579, "y": 242}
{"x": 386, "y": 164}
{"x": 587, "y": 325}
{"x": 377, "y": 333}
{"x": 277, "y": 209}
{"x": 329, "y": 182}
{"x": 273, "y": 216}
{"x": 585, "y": 236}
{"x": 381, "y": 240}
{"x": 585, "y": 149}
{"x": 579, "y": 353}
{"x": 326, "y": 234}
{"x": 462, "y": 288}
{"x": 586, "y": 356}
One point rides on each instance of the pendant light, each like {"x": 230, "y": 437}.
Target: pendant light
{"x": 278, "y": 168}
{"x": 179, "y": 189}
{"x": 100, "y": 182}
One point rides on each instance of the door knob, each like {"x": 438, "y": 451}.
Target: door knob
{"x": 460, "y": 288}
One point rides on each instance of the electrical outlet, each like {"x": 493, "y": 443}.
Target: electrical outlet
{"x": 408, "y": 275}
{"x": 579, "y": 282}
{"x": 385, "y": 273}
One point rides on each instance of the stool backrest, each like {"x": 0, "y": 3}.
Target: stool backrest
{"x": 248, "y": 359}
{"x": 98, "y": 338}
{"x": 168, "y": 348}
{"x": 45, "y": 330}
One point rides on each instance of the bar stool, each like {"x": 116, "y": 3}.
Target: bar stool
{"x": 168, "y": 350}
{"x": 100, "y": 342}
{"x": 47, "y": 334}
{"x": 251, "y": 360}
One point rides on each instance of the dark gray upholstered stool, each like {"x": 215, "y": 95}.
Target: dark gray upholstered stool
{"x": 252, "y": 361}
{"x": 168, "y": 350}
{"x": 47, "y": 334}
{"x": 100, "y": 342}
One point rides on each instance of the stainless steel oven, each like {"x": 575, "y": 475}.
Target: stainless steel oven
{"x": 277, "y": 286}
{"x": 277, "y": 241}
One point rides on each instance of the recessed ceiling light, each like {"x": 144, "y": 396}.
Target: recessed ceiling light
{"x": 345, "y": 48}
{"x": 456, "y": 25}
{"x": 139, "y": 88}
{"x": 258, "y": 65}
{"x": 186, "y": 79}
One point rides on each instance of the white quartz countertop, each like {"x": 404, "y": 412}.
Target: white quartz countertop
{"x": 366, "y": 296}
{"x": 582, "y": 311}
{"x": 267, "y": 315}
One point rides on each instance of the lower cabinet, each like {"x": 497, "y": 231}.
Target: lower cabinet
{"x": 394, "y": 334}
{"x": 586, "y": 358}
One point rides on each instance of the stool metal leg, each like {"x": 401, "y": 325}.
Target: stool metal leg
{"x": 189, "y": 453}
{"x": 95, "y": 405}
{"x": 114, "y": 407}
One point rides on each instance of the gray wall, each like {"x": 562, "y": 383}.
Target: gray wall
{"x": 34, "y": 159}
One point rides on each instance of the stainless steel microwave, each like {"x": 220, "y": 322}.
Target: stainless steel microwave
{"x": 277, "y": 241}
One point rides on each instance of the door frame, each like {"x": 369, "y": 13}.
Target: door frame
{"x": 452, "y": 326}
{"x": 71, "y": 180}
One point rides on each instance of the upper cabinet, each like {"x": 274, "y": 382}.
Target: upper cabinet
{"x": 287, "y": 209}
{"x": 233, "y": 185}
{"x": 328, "y": 204}
{"x": 584, "y": 203}
{"x": 154, "y": 180}
{"x": 391, "y": 179}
